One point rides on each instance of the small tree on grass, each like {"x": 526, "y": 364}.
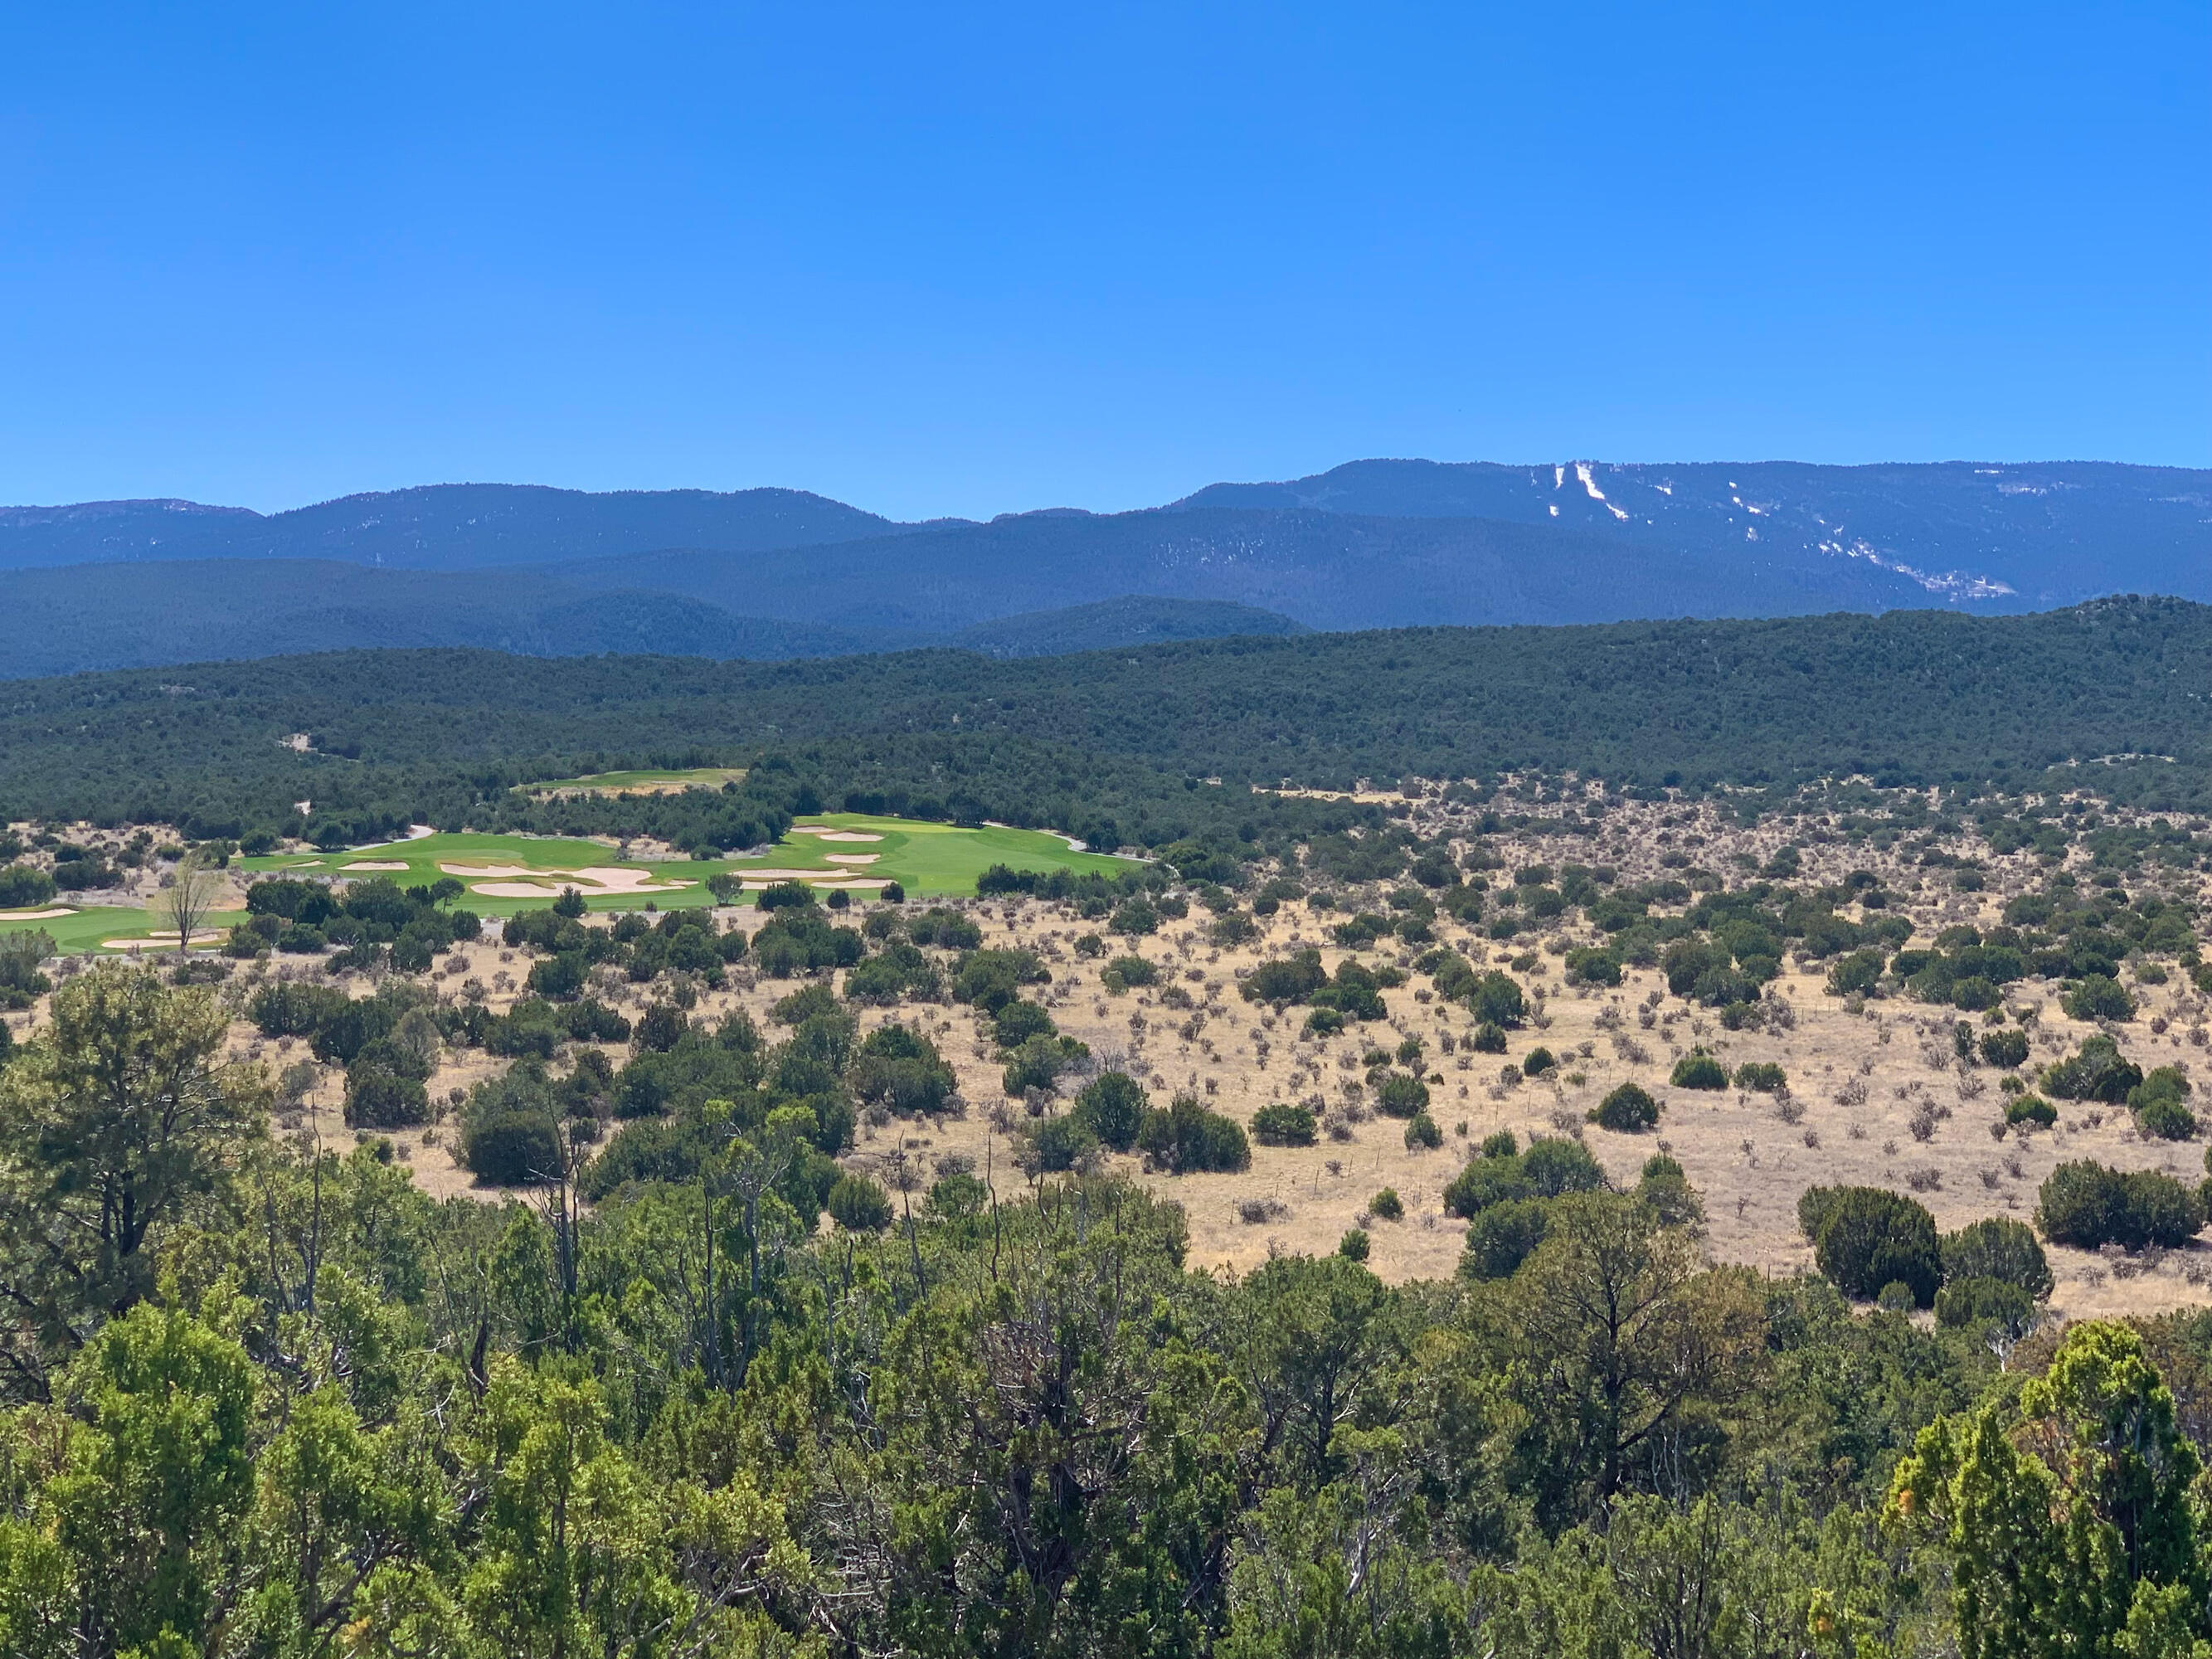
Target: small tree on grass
{"x": 189, "y": 896}
{"x": 1628, "y": 1110}
{"x": 1700, "y": 1069}
{"x": 1112, "y": 1108}
{"x": 2086, "y": 1205}
{"x": 1865, "y": 1238}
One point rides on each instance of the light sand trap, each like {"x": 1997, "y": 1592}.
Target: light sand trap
{"x": 349, "y": 868}
{"x": 517, "y": 881}
{"x": 34, "y": 915}
{"x": 608, "y": 880}
{"x": 207, "y": 936}
{"x": 786, "y": 875}
{"x": 821, "y": 833}
{"x": 852, "y": 858}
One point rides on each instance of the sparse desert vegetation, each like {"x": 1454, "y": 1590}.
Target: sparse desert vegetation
{"x": 1885, "y": 996}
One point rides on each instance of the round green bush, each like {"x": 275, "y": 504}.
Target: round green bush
{"x": 1629, "y": 1109}
{"x": 1489, "y": 1038}
{"x": 1187, "y": 1139}
{"x": 2163, "y": 1118}
{"x": 1866, "y": 1237}
{"x": 1112, "y": 1107}
{"x": 1281, "y": 1123}
{"x": 1401, "y": 1095}
{"x": 2088, "y": 1205}
{"x": 1060, "y": 1143}
{"x": 2098, "y": 997}
{"x": 1541, "y": 1060}
{"x": 1387, "y": 1205}
{"x": 1997, "y": 1247}
{"x": 1354, "y": 1245}
{"x": 1424, "y": 1131}
{"x": 2031, "y": 1108}
{"x": 860, "y": 1205}
{"x": 519, "y": 1148}
{"x": 1699, "y": 1070}
{"x": 378, "y": 1099}
{"x": 2006, "y": 1048}
{"x": 1896, "y": 1296}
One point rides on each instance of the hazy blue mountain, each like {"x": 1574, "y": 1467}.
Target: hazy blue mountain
{"x": 148, "y": 615}
{"x": 96, "y": 532}
{"x": 2043, "y": 533}
{"x": 1327, "y": 570}
{"x": 436, "y": 527}
{"x": 1377, "y": 543}
{"x": 1110, "y": 624}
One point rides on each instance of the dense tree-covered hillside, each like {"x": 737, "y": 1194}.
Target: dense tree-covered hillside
{"x": 1155, "y": 743}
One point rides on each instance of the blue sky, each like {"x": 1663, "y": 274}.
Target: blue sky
{"x": 972, "y": 258}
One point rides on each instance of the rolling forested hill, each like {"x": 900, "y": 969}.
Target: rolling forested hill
{"x": 434, "y": 528}
{"x": 1149, "y": 745}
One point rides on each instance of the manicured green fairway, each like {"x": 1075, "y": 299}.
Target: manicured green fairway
{"x": 88, "y": 928}
{"x": 926, "y": 860}
{"x": 494, "y": 862}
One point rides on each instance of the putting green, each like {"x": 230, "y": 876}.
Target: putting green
{"x": 926, "y": 859}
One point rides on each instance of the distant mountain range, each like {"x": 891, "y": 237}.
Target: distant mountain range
{"x": 775, "y": 572}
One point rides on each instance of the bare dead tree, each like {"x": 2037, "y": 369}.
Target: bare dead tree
{"x": 189, "y": 896}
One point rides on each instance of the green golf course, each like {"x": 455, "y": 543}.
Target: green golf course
{"x": 505, "y": 874}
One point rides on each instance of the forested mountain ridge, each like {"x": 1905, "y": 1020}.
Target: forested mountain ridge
{"x": 434, "y": 527}
{"x": 1329, "y": 570}
{"x": 2044, "y": 532}
{"x": 89, "y": 617}
{"x": 1130, "y": 735}
{"x": 1370, "y": 545}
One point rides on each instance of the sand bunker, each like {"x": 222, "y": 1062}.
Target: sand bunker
{"x": 821, "y": 833}
{"x": 134, "y": 945}
{"x": 628, "y": 881}
{"x": 349, "y": 868}
{"x": 35, "y": 915}
{"x": 500, "y": 880}
{"x": 852, "y": 858}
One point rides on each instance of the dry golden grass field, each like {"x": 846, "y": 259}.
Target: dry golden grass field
{"x": 1874, "y": 1097}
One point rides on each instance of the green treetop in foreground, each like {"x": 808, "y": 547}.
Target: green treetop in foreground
{"x": 263, "y": 1400}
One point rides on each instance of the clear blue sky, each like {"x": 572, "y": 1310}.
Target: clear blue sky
{"x": 969, "y": 259}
